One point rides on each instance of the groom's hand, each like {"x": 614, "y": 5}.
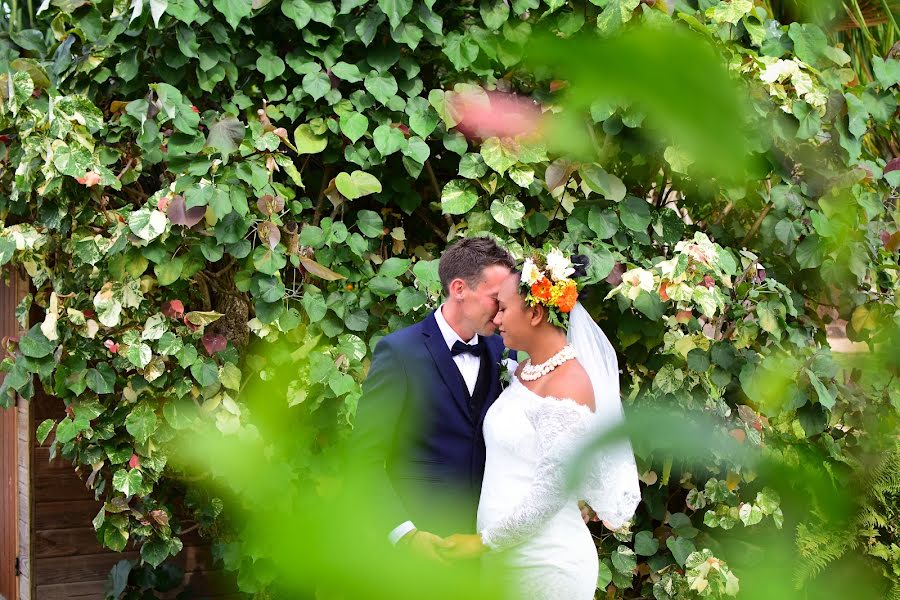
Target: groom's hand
{"x": 426, "y": 544}
{"x": 464, "y": 547}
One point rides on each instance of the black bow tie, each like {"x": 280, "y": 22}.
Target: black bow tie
{"x": 461, "y": 348}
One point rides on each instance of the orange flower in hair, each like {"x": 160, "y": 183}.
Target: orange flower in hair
{"x": 568, "y": 298}
{"x": 541, "y": 289}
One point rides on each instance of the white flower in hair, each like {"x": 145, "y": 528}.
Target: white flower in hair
{"x": 530, "y": 273}
{"x": 560, "y": 266}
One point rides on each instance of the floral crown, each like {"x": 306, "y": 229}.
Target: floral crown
{"x": 550, "y": 280}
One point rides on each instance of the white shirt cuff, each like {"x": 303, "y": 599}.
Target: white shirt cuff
{"x": 399, "y": 531}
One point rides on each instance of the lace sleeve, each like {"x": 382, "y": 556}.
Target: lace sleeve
{"x": 559, "y": 424}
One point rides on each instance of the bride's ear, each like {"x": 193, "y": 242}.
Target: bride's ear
{"x": 538, "y": 314}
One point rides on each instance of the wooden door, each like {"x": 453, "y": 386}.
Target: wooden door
{"x": 9, "y": 463}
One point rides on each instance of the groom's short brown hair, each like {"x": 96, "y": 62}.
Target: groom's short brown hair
{"x": 468, "y": 258}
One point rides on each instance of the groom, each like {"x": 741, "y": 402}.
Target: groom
{"x": 418, "y": 423}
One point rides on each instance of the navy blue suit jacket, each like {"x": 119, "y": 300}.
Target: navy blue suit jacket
{"x": 415, "y": 435}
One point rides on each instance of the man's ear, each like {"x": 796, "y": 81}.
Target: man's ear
{"x": 456, "y": 288}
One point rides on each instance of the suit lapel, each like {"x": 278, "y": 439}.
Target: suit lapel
{"x": 495, "y": 351}
{"x": 446, "y": 368}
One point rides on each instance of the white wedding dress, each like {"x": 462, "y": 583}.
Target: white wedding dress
{"x": 528, "y": 513}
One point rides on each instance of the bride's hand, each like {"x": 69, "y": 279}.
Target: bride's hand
{"x": 463, "y": 547}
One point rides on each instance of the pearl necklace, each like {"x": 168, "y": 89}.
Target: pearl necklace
{"x": 531, "y": 372}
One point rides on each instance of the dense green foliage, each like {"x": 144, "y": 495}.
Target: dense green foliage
{"x": 181, "y": 178}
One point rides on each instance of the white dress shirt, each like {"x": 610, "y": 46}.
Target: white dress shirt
{"x": 468, "y": 365}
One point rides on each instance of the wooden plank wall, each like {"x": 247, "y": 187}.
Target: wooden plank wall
{"x": 13, "y": 454}
{"x": 8, "y": 500}
{"x": 67, "y": 561}
{"x": 23, "y": 424}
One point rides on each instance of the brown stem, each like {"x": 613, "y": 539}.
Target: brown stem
{"x": 423, "y": 214}
{"x": 320, "y": 202}
{"x": 125, "y": 170}
{"x": 756, "y": 225}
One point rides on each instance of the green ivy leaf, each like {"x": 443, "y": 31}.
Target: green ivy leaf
{"x": 729, "y": 12}
{"x": 370, "y": 223}
{"x": 388, "y": 139}
{"x": 268, "y": 261}
{"x": 382, "y": 86}
{"x": 681, "y": 548}
{"x": 101, "y": 379}
{"x": 458, "y": 197}
{"x": 395, "y": 10}
{"x": 44, "y": 430}
{"x": 141, "y": 422}
{"x": 384, "y": 286}
{"x": 270, "y": 66}
{"x": 35, "y": 344}
{"x": 496, "y": 155}
{"x": 615, "y": 14}
{"x": 234, "y": 10}
{"x": 624, "y": 560}
{"x": 147, "y": 224}
{"x": 508, "y": 212}
{"x": 410, "y": 299}
{"x": 886, "y": 71}
{"x": 645, "y": 544}
{"x": 494, "y": 13}
{"x": 826, "y": 399}
{"x": 601, "y": 182}
{"x": 226, "y": 135}
{"x": 354, "y": 125}
{"x": 810, "y": 43}
{"x": 347, "y": 72}
{"x": 298, "y": 11}
{"x": 357, "y": 184}
{"x": 634, "y": 213}
{"x": 316, "y": 84}
{"x": 205, "y": 372}
{"x": 127, "y": 481}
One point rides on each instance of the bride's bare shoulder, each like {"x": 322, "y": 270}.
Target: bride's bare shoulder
{"x": 571, "y": 381}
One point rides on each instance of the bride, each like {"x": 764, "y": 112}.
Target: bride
{"x": 530, "y": 526}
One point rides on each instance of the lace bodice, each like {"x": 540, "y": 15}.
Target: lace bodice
{"x": 532, "y": 443}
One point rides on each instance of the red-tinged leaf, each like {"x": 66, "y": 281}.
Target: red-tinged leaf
{"x": 195, "y": 109}
{"x": 893, "y": 165}
{"x": 190, "y": 325}
{"x": 662, "y": 291}
{"x": 111, "y": 346}
{"x": 162, "y": 204}
{"x": 615, "y": 276}
{"x": 558, "y": 84}
{"x": 269, "y": 233}
{"x": 708, "y": 282}
{"x": 739, "y": 434}
{"x": 89, "y": 313}
{"x": 558, "y": 173}
{"x": 160, "y": 516}
{"x": 173, "y": 309}
{"x": 893, "y": 242}
{"x": 281, "y": 132}
{"x": 318, "y": 270}
{"x": 187, "y": 217}
{"x": 90, "y": 179}
{"x": 69, "y": 412}
{"x": 269, "y": 204}
{"x": 214, "y": 343}
{"x": 402, "y": 128}
{"x": 134, "y": 462}
{"x": 683, "y": 316}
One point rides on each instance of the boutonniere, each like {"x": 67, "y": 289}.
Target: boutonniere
{"x": 505, "y": 374}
